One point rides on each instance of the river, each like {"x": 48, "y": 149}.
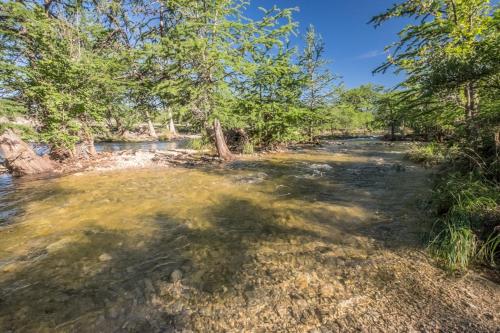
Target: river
{"x": 324, "y": 238}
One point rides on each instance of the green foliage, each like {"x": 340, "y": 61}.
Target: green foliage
{"x": 346, "y": 118}
{"x": 449, "y": 54}
{"x": 353, "y": 109}
{"x": 26, "y": 132}
{"x": 268, "y": 96}
{"x": 59, "y": 72}
{"x": 318, "y": 90}
{"x": 11, "y": 109}
{"x": 87, "y": 69}
{"x": 488, "y": 252}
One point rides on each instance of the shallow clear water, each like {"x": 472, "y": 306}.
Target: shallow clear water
{"x": 72, "y": 246}
{"x": 142, "y": 146}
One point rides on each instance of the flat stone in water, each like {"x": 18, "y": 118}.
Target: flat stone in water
{"x": 105, "y": 257}
{"x": 323, "y": 167}
{"x": 176, "y": 276}
{"x": 256, "y": 178}
{"x": 60, "y": 244}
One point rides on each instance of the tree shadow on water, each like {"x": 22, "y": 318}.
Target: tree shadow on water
{"x": 17, "y": 193}
{"x": 234, "y": 228}
{"x": 387, "y": 193}
{"x": 108, "y": 278}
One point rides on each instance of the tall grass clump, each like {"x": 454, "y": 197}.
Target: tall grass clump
{"x": 199, "y": 144}
{"x": 248, "y": 148}
{"x": 466, "y": 230}
{"x": 428, "y": 154}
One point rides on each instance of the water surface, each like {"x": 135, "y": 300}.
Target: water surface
{"x": 96, "y": 251}
{"x": 142, "y": 146}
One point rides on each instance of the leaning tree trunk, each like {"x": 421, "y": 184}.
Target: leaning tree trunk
{"x": 20, "y": 159}
{"x": 220, "y": 142}
{"x": 152, "y": 132}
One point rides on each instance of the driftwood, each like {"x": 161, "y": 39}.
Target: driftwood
{"x": 19, "y": 157}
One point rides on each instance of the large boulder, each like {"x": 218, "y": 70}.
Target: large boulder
{"x": 19, "y": 157}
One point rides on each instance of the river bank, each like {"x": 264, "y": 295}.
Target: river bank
{"x": 314, "y": 239}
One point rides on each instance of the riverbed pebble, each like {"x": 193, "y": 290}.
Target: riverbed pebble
{"x": 176, "y": 276}
{"x": 105, "y": 257}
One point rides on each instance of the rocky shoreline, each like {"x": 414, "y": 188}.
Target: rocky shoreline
{"x": 139, "y": 159}
{"x": 128, "y": 159}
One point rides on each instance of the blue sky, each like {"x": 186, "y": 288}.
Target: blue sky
{"x": 354, "y": 46}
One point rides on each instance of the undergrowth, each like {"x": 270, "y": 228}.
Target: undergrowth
{"x": 466, "y": 202}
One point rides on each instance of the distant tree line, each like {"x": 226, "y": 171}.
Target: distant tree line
{"x": 81, "y": 69}
{"x": 86, "y": 68}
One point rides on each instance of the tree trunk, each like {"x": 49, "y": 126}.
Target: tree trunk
{"x": 496, "y": 162}
{"x": 470, "y": 101}
{"x": 171, "y": 125}
{"x": 393, "y": 131}
{"x": 88, "y": 148}
{"x": 152, "y": 132}
{"x": 89, "y": 142}
{"x": 20, "y": 159}
{"x": 119, "y": 127}
{"x": 220, "y": 142}
{"x": 470, "y": 114}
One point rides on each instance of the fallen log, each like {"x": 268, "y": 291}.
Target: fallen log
{"x": 19, "y": 157}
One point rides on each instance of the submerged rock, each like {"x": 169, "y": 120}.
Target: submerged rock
{"x": 105, "y": 257}
{"x": 255, "y": 178}
{"x": 321, "y": 167}
{"x": 399, "y": 167}
{"x": 60, "y": 244}
{"x": 176, "y": 276}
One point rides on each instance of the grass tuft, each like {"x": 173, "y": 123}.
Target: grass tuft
{"x": 248, "y": 148}
{"x": 461, "y": 235}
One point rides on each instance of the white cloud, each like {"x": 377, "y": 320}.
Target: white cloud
{"x": 371, "y": 54}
